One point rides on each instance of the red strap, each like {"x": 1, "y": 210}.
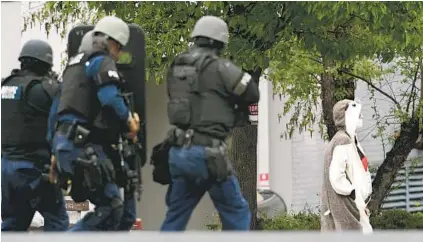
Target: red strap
{"x": 365, "y": 163}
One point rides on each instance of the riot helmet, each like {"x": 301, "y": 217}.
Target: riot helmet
{"x": 114, "y": 28}
{"x": 37, "y": 49}
{"x": 37, "y": 57}
{"x": 211, "y": 27}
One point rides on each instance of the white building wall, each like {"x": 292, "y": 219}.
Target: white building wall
{"x": 10, "y": 36}
{"x": 263, "y": 134}
{"x": 280, "y": 152}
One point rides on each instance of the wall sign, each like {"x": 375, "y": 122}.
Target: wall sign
{"x": 253, "y": 108}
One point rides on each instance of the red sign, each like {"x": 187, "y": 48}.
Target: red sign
{"x": 264, "y": 176}
{"x": 253, "y": 109}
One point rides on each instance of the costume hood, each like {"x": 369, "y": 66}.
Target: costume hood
{"x": 347, "y": 116}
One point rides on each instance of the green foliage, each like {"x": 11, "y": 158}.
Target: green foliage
{"x": 300, "y": 221}
{"x": 388, "y": 219}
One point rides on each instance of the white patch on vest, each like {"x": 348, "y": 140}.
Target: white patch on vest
{"x": 9, "y": 92}
{"x": 76, "y": 59}
{"x": 113, "y": 74}
{"x": 246, "y": 78}
{"x": 242, "y": 85}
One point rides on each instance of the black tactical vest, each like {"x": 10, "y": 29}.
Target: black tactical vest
{"x": 197, "y": 97}
{"x": 79, "y": 94}
{"x": 20, "y": 123}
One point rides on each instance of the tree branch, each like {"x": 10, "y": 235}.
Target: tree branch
{"x": 373, "y": 86}
{"x": 412, "y": 88}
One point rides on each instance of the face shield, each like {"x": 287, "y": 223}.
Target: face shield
{"x": 353, "y": 117}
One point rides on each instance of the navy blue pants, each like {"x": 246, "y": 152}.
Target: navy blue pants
{"x": 107, "y": 215}
{"x": 129, "y": 213}
{"x": 190, "y": 181}
{"x": 24, "y": 192}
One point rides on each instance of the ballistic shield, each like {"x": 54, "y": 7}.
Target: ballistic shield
{"x": 131, "y": 64}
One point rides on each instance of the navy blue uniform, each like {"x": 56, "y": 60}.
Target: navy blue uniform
{"x": 26, "y": 100}
{"x": 108, "y": 213}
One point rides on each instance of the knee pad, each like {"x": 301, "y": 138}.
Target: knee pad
{"x": 105, "y": 217}
{"x": 97, "y": 220}
{"x": 117, "y": 211}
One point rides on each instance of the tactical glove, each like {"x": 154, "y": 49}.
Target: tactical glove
{"x": 134, "y": 126}
{"x": 52, "y": 177}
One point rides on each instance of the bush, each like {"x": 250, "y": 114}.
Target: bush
{"x": 397, "y": 219}
{"x": 300, "y": 221}
{"x": 388, "y": 219}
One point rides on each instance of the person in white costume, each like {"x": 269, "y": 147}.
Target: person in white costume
{"x": 347, "y": 184}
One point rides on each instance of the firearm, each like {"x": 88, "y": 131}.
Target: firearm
{"x": 131, "y": 152}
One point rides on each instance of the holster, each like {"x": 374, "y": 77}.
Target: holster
{"x": 76, "y": 133}
{"x": 218, "y": 162}
{"x": 94, "y": 172}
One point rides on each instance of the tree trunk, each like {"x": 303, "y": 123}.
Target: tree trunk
{"x": 332, "y": 91}
{"x": 328, "y": 101}
{"x": 393, "y": 162}
{"x": 243, "y": 152}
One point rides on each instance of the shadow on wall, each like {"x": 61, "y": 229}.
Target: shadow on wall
{"x": 152, "y": 207}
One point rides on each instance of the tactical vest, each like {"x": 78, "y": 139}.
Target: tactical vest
{"x": 21, "y": 123}
{"x": 197, "y": 98}
{"x": 79, "y": 94}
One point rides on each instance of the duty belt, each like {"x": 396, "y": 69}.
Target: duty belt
{"x": 191, "y": 137}
{"x": 68, "y": 129}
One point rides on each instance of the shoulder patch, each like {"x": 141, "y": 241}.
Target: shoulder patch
{"x": 76, "y": 59}
{"x": 113, "y": 74}
{"x": 11, "y": 92}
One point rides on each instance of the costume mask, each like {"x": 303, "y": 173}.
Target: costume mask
{"x": 353, "y": 117}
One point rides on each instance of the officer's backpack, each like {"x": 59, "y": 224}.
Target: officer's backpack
{"x": 184, "y": 86}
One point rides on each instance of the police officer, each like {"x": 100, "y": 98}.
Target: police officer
{"x": 129, "y": 204}
{"x": 204, "y": 91}
{"x": 89, "y": 119}
{"x": 27, "y": 95}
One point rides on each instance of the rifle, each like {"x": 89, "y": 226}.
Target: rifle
{"x": 131, "y": 152}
